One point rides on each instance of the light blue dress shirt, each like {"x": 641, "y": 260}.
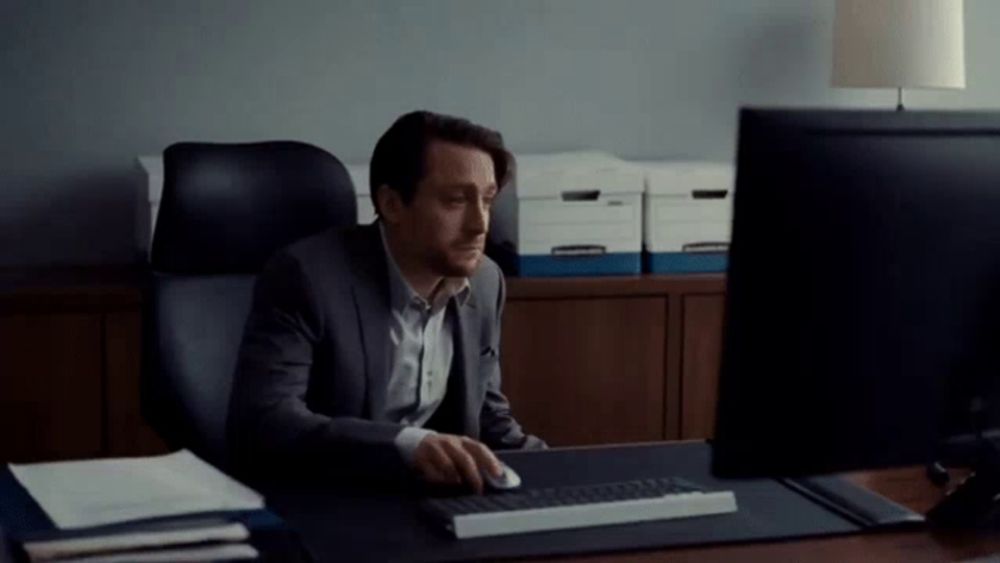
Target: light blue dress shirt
{"x": 421, "y": 348}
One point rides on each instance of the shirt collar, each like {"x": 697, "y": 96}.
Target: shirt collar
{"x": 401, "y": 294}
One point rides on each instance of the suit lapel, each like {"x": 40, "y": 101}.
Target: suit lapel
{"x": 370, "y": 288}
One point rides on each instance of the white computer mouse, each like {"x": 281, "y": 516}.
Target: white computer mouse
{"x": 509, "y": 480}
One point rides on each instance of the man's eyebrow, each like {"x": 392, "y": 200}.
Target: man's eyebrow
{"x": 490, "y": 189}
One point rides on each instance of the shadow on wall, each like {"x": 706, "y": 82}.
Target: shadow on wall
{"x": 88, "y": 219}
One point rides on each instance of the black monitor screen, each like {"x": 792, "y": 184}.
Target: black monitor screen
{"x": 863, "y": 304}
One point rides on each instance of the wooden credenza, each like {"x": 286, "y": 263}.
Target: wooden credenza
{"x": 585, "y": 360}
{"x": 69, "y": 365}
{"x": 613, "y": 359}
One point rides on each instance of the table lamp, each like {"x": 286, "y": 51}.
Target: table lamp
{"x": 899, "y": 44}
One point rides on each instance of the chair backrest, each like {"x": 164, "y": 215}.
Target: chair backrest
{"x": 225, "y": 209}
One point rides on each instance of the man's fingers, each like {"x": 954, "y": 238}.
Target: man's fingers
{"x": 485, "y": 459}
{"x": 465, "y": 464}
{"x": 431, "y": 474}
{"x": 438, "y": 465}
{"x": 447, "y": 459}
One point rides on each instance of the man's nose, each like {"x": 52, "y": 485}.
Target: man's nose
{"x": 478, "y": 218}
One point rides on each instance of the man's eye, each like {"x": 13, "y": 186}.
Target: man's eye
{"x": 488, "y": 201}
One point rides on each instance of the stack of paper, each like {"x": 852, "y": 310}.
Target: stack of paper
{"x": 182, "y": 544}
{"x": 79, "y": 495}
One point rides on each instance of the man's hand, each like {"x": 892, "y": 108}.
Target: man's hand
{"x": 446, "y": 459}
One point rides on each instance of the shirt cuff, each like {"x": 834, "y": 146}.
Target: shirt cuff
{"x": 408, "y": 439}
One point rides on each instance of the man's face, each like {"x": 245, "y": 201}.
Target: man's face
{"x": 444, "y": 227}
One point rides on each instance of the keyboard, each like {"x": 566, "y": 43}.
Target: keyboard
{"x": 556, "y": 508}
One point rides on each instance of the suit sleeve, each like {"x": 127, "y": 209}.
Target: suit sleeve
{"x": 498, "y": 429}
{"x": 270, "y": 425}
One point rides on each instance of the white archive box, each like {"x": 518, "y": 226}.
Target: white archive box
{"x": 570, "y": 214}
{"x": 150, "y": 171}
{"x": 359, "y": 177}
{"x": 687, "y": 215}
{"x": 150, "y": 168}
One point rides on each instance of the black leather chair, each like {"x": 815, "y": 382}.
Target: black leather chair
{"x": 225, "y": 209}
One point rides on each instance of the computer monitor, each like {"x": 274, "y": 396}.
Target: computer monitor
{"x": 863, "y": 300}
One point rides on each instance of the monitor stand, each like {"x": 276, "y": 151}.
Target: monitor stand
{"x": 975, "y": 502}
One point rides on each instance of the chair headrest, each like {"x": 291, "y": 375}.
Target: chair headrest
{"x": 226, "y": 208}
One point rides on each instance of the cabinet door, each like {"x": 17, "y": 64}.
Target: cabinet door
{"x": 586, "y": 371}
{"x": 128, "y": 433}
{"x": 51, "y": 391}
{"x": 701, "y": 356}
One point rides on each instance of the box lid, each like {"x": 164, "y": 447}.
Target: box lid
{"x": 554, "y": 175}
{"x": 682, "y": 177}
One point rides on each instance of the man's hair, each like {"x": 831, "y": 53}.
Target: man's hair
{"x": 399, "y": 160}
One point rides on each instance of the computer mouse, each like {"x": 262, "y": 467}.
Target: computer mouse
{"x": 508, "y": 480}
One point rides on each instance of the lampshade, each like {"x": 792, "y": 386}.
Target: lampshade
{"x": 899, "y": 44}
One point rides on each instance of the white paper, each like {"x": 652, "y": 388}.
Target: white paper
{"x": 224, "y": 552}
{"x": 47, "y": 550}
{"x": 76, "y": 494}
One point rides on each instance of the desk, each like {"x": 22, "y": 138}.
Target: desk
{"x": 907, "y": 486}
{"x": 355, "y": 525}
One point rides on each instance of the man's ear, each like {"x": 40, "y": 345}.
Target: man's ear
{"x": 390, "y": 205}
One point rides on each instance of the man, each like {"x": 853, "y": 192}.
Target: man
{"x": 374, "y": 350}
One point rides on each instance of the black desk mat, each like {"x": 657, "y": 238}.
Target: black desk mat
{"x": 369, "y": 526}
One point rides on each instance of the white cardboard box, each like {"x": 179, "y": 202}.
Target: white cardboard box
{"x": 687, "y": 215}
{"x": 150, "y": 170}
{"x": 359, "y": 177}
{"x": 573, "y": 213}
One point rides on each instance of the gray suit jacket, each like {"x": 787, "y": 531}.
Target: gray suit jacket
{"x": 312, "y": 375}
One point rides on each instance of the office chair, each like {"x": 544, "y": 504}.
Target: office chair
{"x": 225, "y": 209}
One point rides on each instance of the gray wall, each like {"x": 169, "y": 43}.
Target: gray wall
{"x": 87, "y": 85}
